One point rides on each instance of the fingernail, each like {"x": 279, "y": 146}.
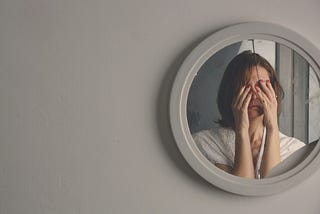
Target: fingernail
{"x": 261, "y": 81}
{"x": 268, "y": 81}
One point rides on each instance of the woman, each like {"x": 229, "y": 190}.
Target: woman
{"x": 248, "y": 142}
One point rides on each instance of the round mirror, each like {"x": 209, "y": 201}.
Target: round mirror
{"x": 254, "y": 57}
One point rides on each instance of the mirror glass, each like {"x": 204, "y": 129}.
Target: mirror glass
{"x": 298, "y": 119}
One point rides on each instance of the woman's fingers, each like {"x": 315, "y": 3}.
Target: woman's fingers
{"x": 243, "y": 96}
{"x": 268, "y": 100}
{"x": 264, "y": 88}
{"x": 247, "y": 100}
{"x": 267, "y": 88}
{"x": 261, "y": 95}
{"x": 237, "y": 98}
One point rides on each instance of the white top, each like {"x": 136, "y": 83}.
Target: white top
{"x": 218, "y": 146}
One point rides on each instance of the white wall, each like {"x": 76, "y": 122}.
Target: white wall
{"x": 84, "y": 89}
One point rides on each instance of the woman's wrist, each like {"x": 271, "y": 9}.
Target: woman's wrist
{"x": 272, "y": 127}
{"x": 242, "y": 135}
{"x": 241, "y": 131}
{"x": 271, "y": 124}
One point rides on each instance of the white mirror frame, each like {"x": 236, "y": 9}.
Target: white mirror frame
{"x": 178, "y": 108}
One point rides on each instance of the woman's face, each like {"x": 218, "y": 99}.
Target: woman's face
{"x": 255, "y": 108}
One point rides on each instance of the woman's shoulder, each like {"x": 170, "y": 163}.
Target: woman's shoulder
{"x": 216, "y": 134}
{"x": 216, "y": 131}
{"x": 216, "y": 144}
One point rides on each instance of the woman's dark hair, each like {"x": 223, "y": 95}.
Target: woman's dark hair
{"x": 236, "y": 75}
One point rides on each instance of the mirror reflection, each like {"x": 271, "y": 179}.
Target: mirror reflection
{"x": 252, "y": 107}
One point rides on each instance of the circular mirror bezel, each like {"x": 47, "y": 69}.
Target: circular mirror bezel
{"x": 178, "y": 108}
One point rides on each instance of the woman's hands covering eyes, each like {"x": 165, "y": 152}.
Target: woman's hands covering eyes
{"x": 268, "y": 99}
{"x": 264, "y": 92}
{"x": 240, "y": 108}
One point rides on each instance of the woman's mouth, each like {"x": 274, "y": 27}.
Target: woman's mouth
{"x": 253, "y": 107}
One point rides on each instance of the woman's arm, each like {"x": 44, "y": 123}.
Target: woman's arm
{"x": 243, "y": 163}
{"x": 271, "y": 155}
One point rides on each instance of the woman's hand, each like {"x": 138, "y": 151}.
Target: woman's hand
{"x": 271, "y": 155}
{"x": 269, "y": 102}
{"x": 240, "y": 109}
{"x": 243, "y": 163}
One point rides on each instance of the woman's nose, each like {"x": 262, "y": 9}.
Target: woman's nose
{"x": 254, "y": 96}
